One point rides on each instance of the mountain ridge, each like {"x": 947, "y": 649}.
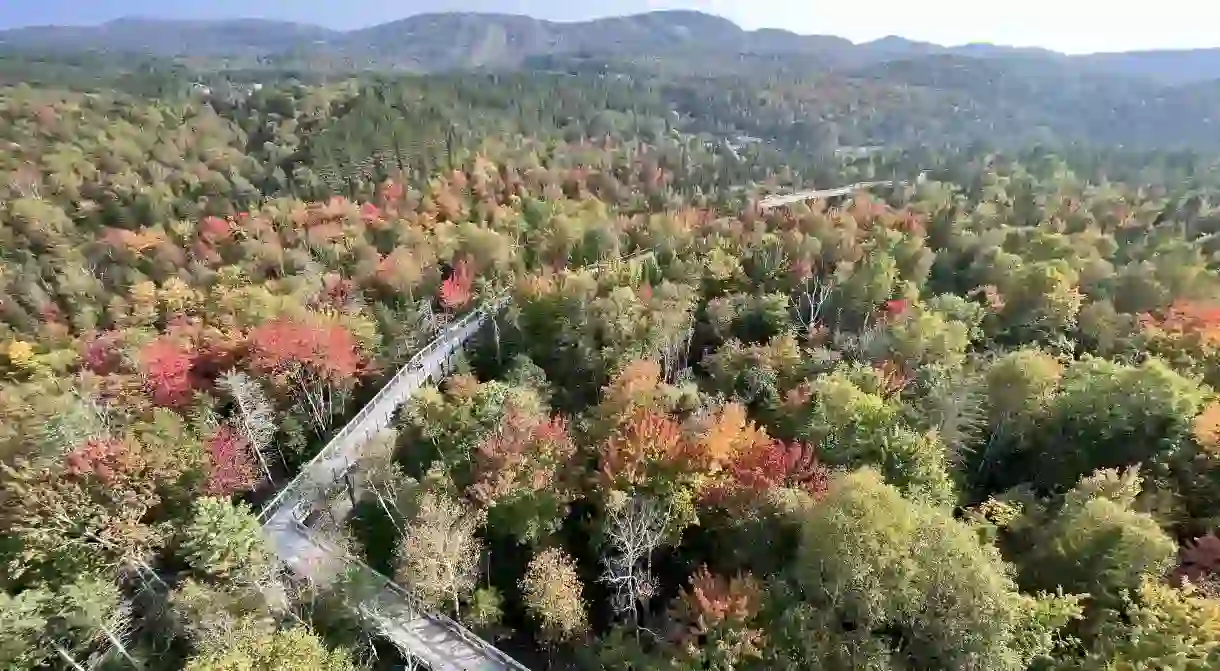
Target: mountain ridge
{"x": 456, "y": 40}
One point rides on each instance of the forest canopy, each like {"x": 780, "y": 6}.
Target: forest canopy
{"x": 966, "y": 419}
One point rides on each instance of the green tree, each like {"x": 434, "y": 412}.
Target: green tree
{"x": 252, "y": 646}
{"x": 1097, "y": 543}
{"x": 904, "y": 580}
{"x": 225, "y": 542}
{"x": 857, "y": 428}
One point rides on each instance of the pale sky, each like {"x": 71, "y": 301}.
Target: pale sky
{"x": 1074, "y": 26}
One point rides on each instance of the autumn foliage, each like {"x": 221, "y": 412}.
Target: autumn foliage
{"x": 100, "y": 353}
{"x": 893, "y": 377}
{"x": 283, "y": 346}
{"x": 645, "y": 443}
{"x": 1186, "y": 334}
{"x": 769, "y": 465}
{"x": 779, "y": 464}
{"x": 523, "y": 455}
{"x": 231, "y": 465}
{"x": 728, "y": 434}
{"x": 1185, "y": 319}
{"x": 168, "y": 366}
{"x": 455, "y": 292}
{"x": 1200, "y": 560}
{"x": 716, "y": 612}
{"x": 1206, "y": 428}
{"x": 105, "y": 460}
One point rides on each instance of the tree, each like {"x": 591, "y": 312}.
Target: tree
{"x": 1097, "y": 544}
{"x": 922, "y": 335}
{"x": 552, "y": 592}
{"x": 1112, "y": 415}
{"x": 634, "y": 528}
{"x": 1156, "y": 627}
{"x": 231, "y": 466}
{"x": 254, "y": 418}
{"x": 519, "y": 473}
{"x": 225, "y": 542}
{"x": 1021, "y": 385}
{"x": 439, "y": 553}
{"x": 1187, "y": 334}
{"x": 1199, "y": 563}
{"x": 857, "y": 427}
{"x": 1041, "y": 301}
{"x": 316, "y": 361}
{"x": 91, "y": 511}
{"x": 717, "y": 620}
{"x": 252, "y": 646}
{"x": 85, "y": 621}
{"x": 767, "y": 466}
{"x": 455, "y": 292}
{"x": 168, "y": 367}
{"x": 881, "y": 563}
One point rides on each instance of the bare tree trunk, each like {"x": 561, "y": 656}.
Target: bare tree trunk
{"x": 633, "y": 532}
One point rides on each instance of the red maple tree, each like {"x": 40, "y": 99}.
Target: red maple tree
{"x": 455, "y": 291}
{"x": 105, "y": 460}
{"x": 1186, "y": 319}
{"x": 215, "y": 229}
{"x": 645, "y": 442}
{"x": 776, "y": 464}
{"x": 100, "y": 353}
{"x": 337, "y": 292}
{"x": 711, "y": 600}
{"x": 168, "y": 367}
{"x": 370, "y": 212}
{"x": 282, "y": 346}
{"x": 1200, "y": 560}
{"x": 231, "y": 465}
{"x": 524, "y": 455}
{"x": 896, "y": 307}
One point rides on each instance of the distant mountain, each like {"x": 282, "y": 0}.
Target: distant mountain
{"x": 235, "y": 37}
{"x": 429, "y": 42}
{"x": 460, "y": 40}
{"x": 1173, "y": 67}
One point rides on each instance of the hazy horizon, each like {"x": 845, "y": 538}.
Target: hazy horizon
{"x": 1080, "y": 26}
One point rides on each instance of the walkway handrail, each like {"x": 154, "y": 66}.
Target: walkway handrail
{"x": 777, "y": 200}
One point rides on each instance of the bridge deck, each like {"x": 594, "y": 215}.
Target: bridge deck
{"x": 787, "y": 199}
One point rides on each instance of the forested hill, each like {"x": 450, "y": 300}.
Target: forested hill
{"x": 429, "y": 42}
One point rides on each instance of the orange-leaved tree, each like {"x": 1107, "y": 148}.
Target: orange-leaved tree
{"x": 716, "y": 620}
{"x": 455, "y": 292}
